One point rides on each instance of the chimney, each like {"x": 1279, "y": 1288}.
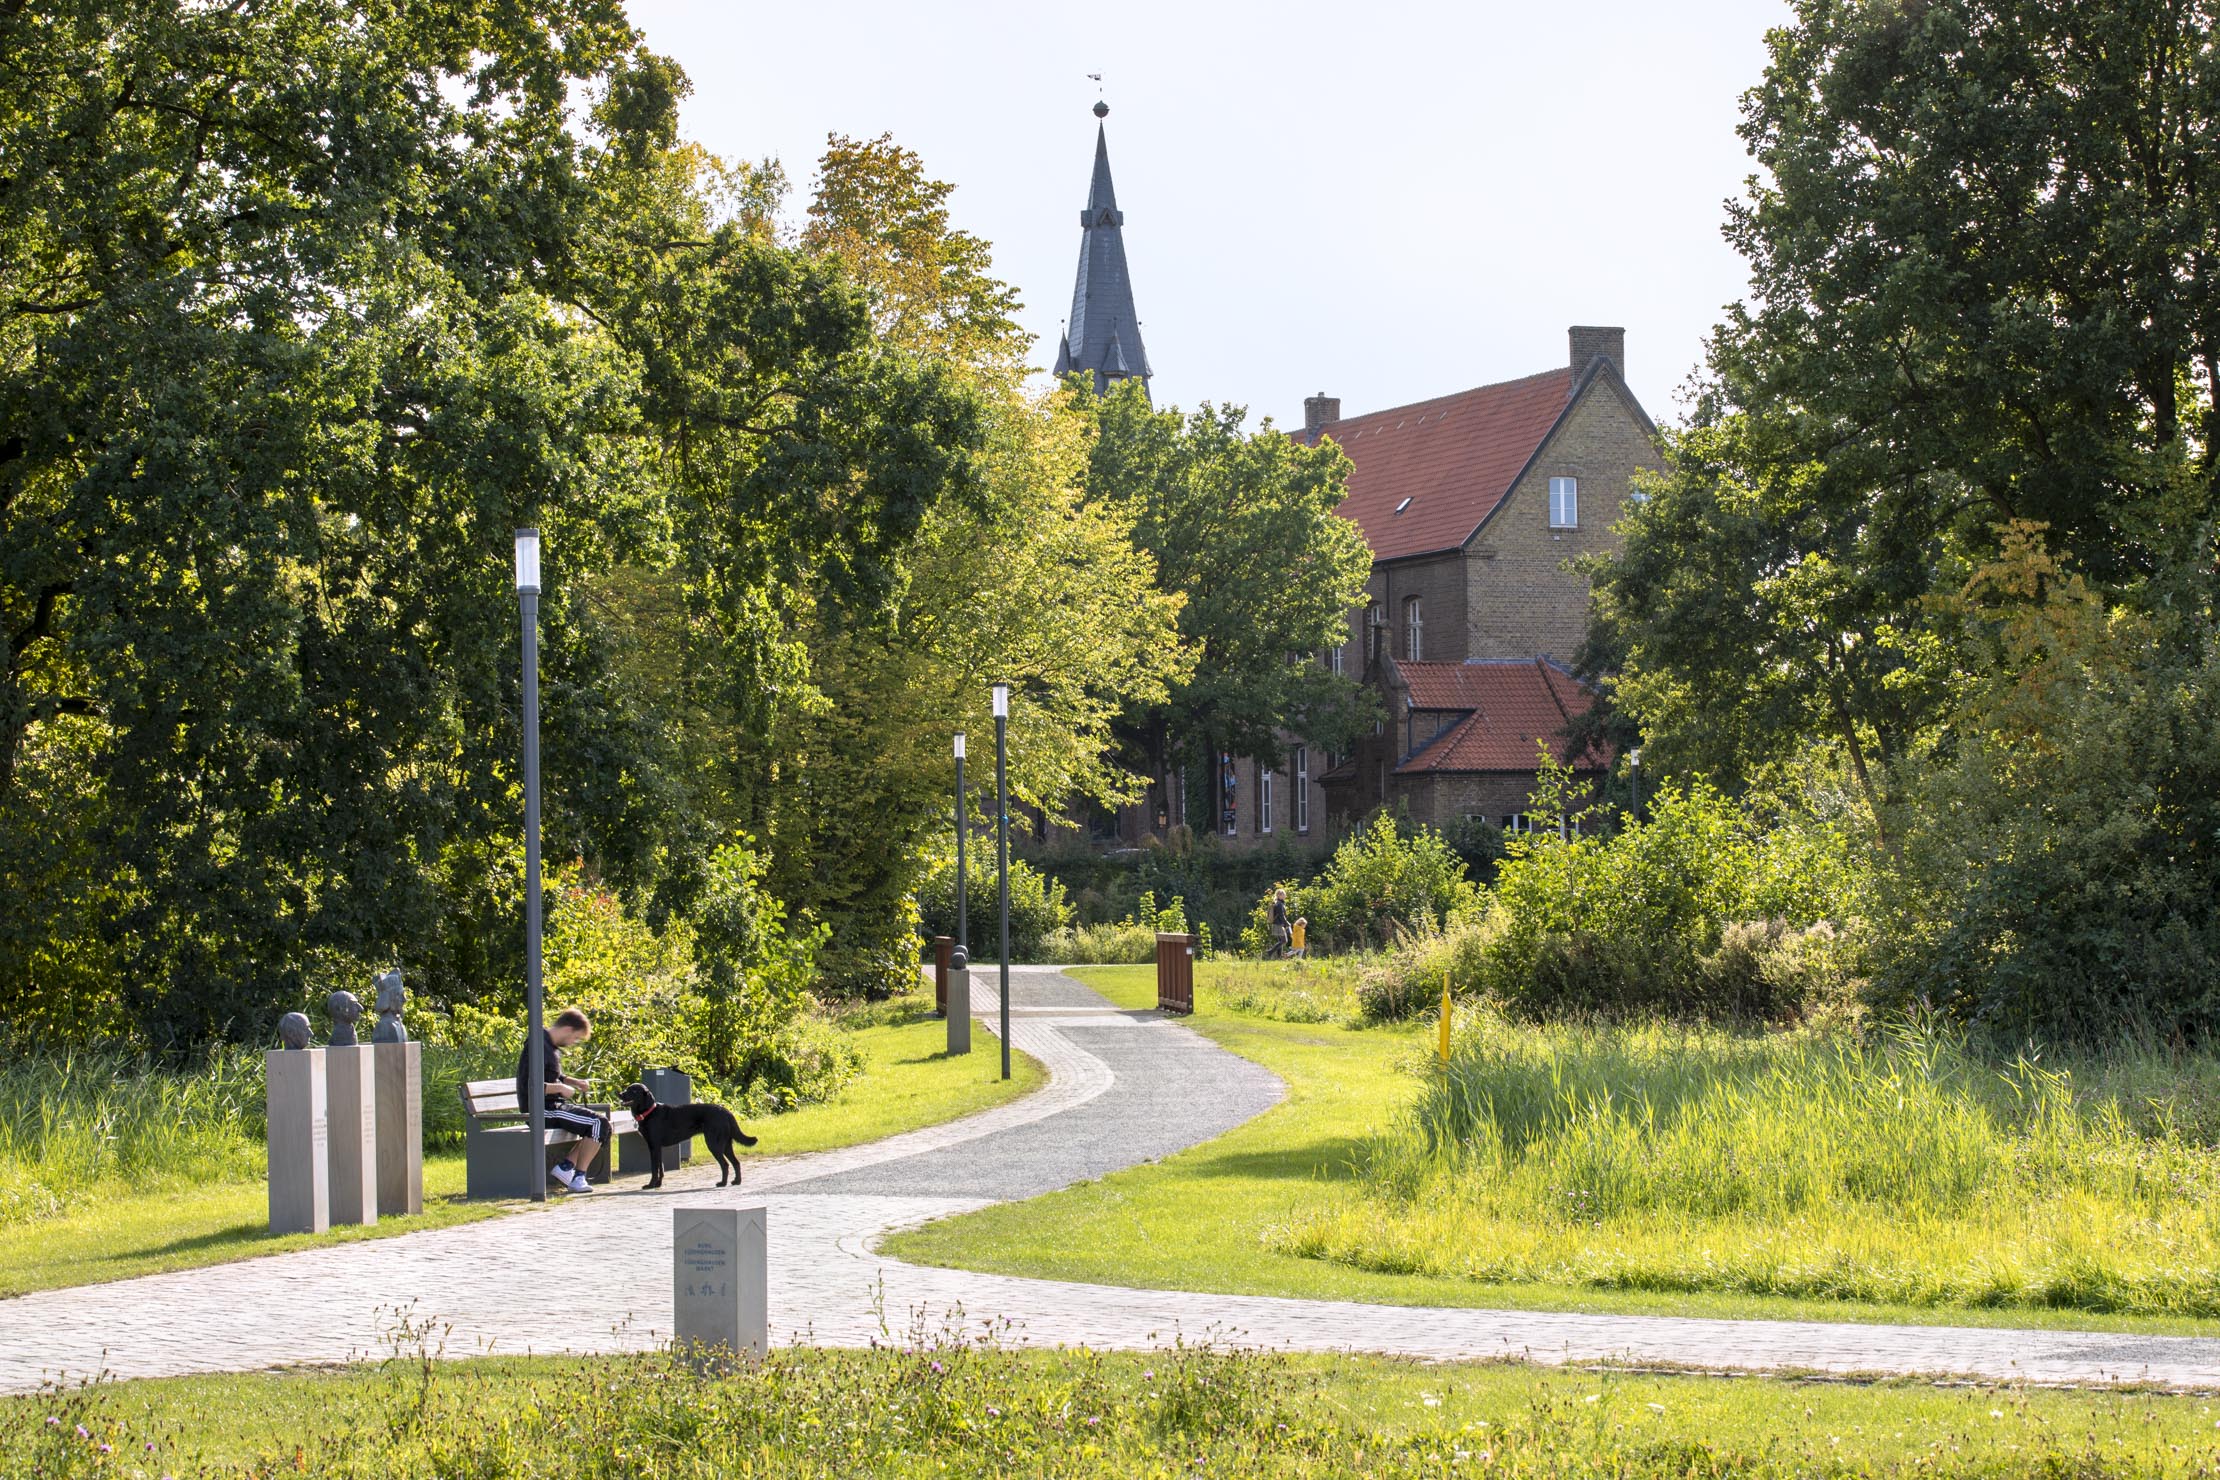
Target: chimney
{"x": 1320, "y": 410}
{"x": 1589, "y": 343}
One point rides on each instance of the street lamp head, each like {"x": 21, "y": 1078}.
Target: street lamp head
{"x": 528, "y": 560}
{"x": 959, "y": 745}
{"x": 1001, "y": 701}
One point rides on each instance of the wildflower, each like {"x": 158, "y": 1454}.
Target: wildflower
{"x": 1091, "y": 1422}
{"x": 150, "y": 1446}
{"x": 83, "y": 1432}
{"x": 993, "y": 1412}
{"x": 938, "y": 1369}
{"x": 105, "y": 1449}
{"x": 1148, "y": 1374}
{"x": 55, "y": 1423}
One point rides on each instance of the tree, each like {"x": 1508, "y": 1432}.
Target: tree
{"x": 1023, "y": 579}
{"x": 1982, "y": 290}
{"x": 1242, "y": 526}
{"x": 274, "y": 396}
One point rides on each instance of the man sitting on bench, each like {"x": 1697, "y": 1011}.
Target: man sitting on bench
{"x": 570, "y": 1027}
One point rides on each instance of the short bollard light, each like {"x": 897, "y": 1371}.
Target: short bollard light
{"x": 959, "y": 1002}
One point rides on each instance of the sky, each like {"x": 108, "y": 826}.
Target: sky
{"x": 1385, "y": 202}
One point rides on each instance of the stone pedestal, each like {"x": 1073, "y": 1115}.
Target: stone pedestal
{"x": 959, "y": 1010}
{"x": 400, "y": 1095}
{"x": 720, "y": 1282}
{"x": 300, "y": 1192}
{"x": 350, "y": 1092}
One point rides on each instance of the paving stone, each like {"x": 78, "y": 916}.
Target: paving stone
{"x": 1123, "y": 1088}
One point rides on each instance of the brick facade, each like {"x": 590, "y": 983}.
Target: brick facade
{"x": 1521, "y": 600}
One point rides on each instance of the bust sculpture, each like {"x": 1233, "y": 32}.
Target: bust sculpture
{"x": 293, "y": 1030}
{"x": 345, "y": 1009}
{"x": 390, "y": 998}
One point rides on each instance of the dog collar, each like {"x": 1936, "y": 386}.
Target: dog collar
{"x": 650, "y": 1110}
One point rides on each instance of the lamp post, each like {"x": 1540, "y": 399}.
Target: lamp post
{"x": 528, "y": 599}
{"x": 963, "y": 819}
{"x": 1634, "y": 759}
{"x": 1002, "y": 848}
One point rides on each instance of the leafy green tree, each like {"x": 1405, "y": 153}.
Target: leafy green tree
{"x": 273, "y": 398}
{"x": 1242, "y": 527}
{"x": 1983, "y": 289}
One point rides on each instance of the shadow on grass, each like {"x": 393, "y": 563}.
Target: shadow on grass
{"x": 1329, "y": 1158}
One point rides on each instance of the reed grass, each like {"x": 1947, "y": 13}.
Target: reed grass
{"x": 1902, "y": 1168}
{"x": 79, "y": 1126}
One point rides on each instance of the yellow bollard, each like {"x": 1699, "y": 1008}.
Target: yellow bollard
{"x": 1445, "y": 1017}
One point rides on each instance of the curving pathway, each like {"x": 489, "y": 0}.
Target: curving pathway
{"x": 1125, "y": 1087}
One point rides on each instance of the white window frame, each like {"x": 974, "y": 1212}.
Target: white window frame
{"x": 1302, "y": 789}
{"x": 1263, "y": 799}
{"x": 1564, "y": 503}
{"x": 1336, "y": 658}
{"x": 1414, "y": 630}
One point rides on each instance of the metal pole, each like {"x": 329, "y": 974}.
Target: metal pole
{"x": 1002, "y": 849}
{"x": 537, "y": 1072}
{"x": 963, "y": 825}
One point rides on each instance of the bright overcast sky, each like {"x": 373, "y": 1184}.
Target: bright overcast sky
{"x": 1386, "y": 201}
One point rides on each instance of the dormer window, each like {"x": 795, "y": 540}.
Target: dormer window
{"x": 1564, "y": 503}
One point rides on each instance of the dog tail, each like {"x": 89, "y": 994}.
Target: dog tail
{"x": 743, "y": 1137}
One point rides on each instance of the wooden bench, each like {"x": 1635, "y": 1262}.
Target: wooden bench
{"x": 497, "y": 1159}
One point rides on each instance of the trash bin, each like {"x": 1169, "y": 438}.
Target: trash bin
{"x": 670, "y": 1087}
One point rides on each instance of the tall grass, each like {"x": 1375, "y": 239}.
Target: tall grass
{"x": 78, "y": 1126}
{"x": 1901, "y": 1168}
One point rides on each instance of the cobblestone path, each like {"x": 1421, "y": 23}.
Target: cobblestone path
{"x": 1119, "y": 1084}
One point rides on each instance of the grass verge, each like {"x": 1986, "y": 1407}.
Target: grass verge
{"x": 123, "y": 1230}
{"x": 1222, "y": 1217}
{"x": 950, "y": 1403}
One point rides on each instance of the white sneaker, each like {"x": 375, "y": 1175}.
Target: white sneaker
{"x": 578, "y": 1182}
{"x": 560, "y": 1178}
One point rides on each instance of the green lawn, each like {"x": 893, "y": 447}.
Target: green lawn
{"x": 950, "y": 1407}
{"x": 1209, "y": 1218}
{"x": 907, "y": 1082}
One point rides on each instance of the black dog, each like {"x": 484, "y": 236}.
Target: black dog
{"x": 675, "y": 1125}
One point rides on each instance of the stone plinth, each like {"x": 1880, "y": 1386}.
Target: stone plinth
{"x": 300, "y": 1190}
{"x": 400, "y": 1095}
{"x": 350, "y": 1095}
{"x": 719, "y": 1284}
{"x": 959, "y": 1010}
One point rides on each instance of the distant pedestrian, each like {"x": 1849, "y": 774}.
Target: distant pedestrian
{"x": 1282, "y": 935}
{"x": 1301, "y": 944}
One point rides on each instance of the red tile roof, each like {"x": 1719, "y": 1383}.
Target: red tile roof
{"x": 1507, "y": 704}
{"x": 1453, "y": 459}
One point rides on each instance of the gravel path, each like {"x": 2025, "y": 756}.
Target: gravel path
{"x": 1118, "y": 1083}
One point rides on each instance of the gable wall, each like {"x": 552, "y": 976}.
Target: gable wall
{"x": 1520, "y": 601}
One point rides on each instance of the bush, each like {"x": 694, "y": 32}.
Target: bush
{"x": 1381, "y": 884}
{"x": 1039, "y": 906}
{"x": 2063, "y": 882}
{"x": 1639, "y": 922}
{"x": 1407, "y": 981}
{"x": 1102, "y": 945}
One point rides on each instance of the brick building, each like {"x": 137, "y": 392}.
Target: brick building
{"x": 1474, "y": 504}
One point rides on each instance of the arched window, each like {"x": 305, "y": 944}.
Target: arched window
{"x": 1375, "y": 632}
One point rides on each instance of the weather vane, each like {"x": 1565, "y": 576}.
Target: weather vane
{"x": 1101, "y": 107}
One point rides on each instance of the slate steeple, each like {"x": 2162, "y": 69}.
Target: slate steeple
{"x": 1103, "y": 335}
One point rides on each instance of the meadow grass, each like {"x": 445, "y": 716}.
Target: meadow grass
{"x": 112, "y": 1167}
{"x": 954, "y": 1400}
{"x": 1232, "y": 1215}
{"x": 1899, "y": 1168}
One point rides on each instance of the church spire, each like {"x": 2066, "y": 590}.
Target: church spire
{"x": 1103, "y": 335}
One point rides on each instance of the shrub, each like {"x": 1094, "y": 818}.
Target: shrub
{"x": 1407, "y": 981}
{"x": 1126, "y": 942}
{"x": 1038, "y": 906}
{"x": 1638, "y": 922}
{"x": 2064, "y": 883}
{"x": 1380, "y": 885}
